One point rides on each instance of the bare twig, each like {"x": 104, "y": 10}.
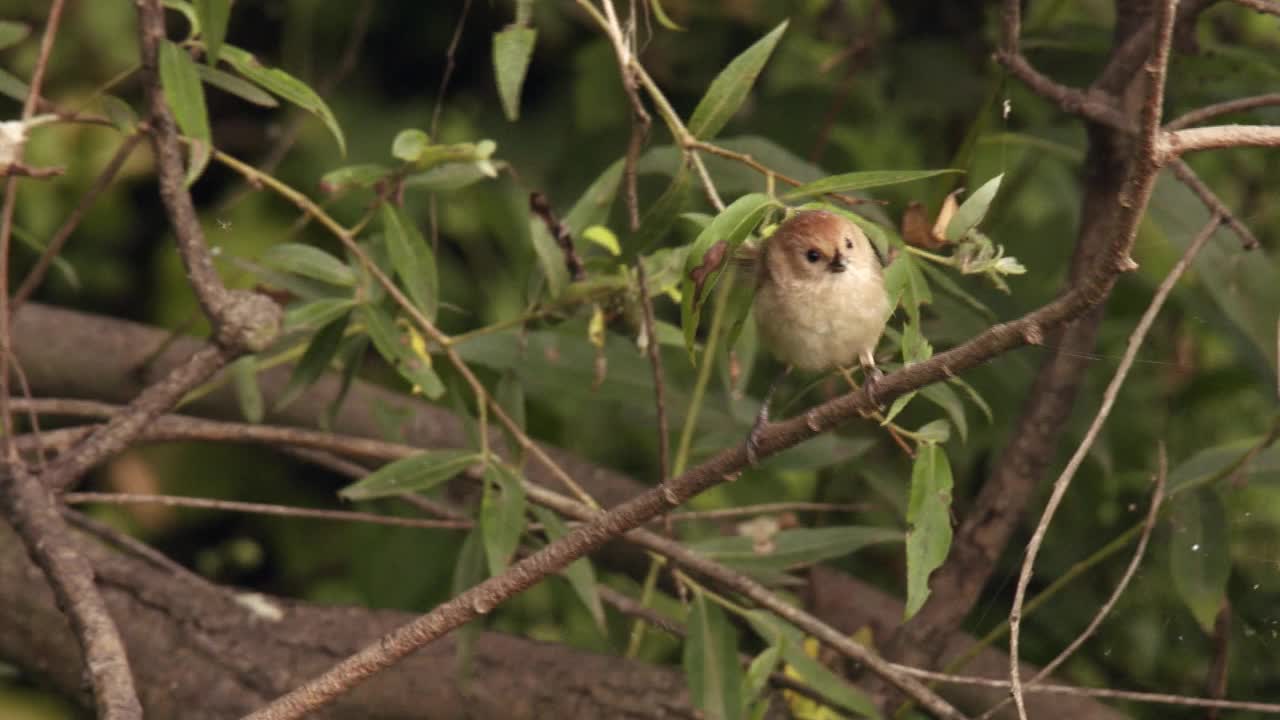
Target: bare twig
{"x": 1153, "y": 513}
{"x": 34, "y": 278}
{"x": 1131, "y": 695}
{"x": 1188, "y": 177}
{"x": 6, "y": 221}
{"x": 80, "y": 498}
{"x": 770, "y": 508}
{"x": 1209, "y": 112}
{"x": 654, "y": 351}
{"x": 1136, "y": 340}
{"x": 1219, "y": 669}
{"x": 1177, "y": 143}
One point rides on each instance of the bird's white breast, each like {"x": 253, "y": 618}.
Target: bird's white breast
{"x": 824, "y": 322}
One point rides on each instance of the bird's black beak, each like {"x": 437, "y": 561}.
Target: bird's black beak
{"x": 837, "y": 263}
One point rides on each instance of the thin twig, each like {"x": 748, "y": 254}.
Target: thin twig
{"x": 1178, "y": 143}
{"x": 104, "y": 179}
{"x": 1136, "y": 340}
{"x": 654, "y": 351}
{"x": 1131, "y": 695}
{"x": 1188, "y": 177}
{"x": 769, "y": 509}
{"x": 1209, "y": 112}
{"x": 1153, "y": 513}
{"x": 80, "y": 498}
{"x": 6, "y": 221}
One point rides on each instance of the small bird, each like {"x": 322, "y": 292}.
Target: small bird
{"x": 820, "y": 301}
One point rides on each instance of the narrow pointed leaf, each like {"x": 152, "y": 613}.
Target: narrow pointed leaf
{"x": 214, "y": 15}
{"x": 850, "y": 182}
{"x": 502, "y": 517}
{"x": 286, "y": 86}
{"x": 316, "y": 313}
{"x": 309, "y": 261}
{"x": 791, "y": 548}
{"x": 185, "y": 96}
{"x": 581, "y": 575}
{"x": 320, "y": 353}
{"x": 512, "y": 48}
{"x": 731, "y": 87}
{"x": 237, "y": 86}
{"x": 730, "y": 227}
{"x": 244, "y": 375}
{"x": 711, "y": 662}
{"x": 971, "y": 212}
{"x": 412, "y": 259}
{"x": 929, "y": 521}
{"x": 1200, "y": 554}
{"x": 416, "y": 473}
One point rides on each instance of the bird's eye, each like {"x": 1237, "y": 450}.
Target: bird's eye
{"x": 848, "y": 244}
{"x": 813, "y": 255}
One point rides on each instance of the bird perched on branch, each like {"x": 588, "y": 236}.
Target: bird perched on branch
{"x": 820, "y": 300}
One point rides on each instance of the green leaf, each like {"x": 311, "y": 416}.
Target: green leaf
{"x": 315, "y": 362}
{"x": 59, "y": 263}
{"x": 12, "y": 33}
{"x": 791, "y": 548}
{"x": 351, "y": 353}
{"x": 971, "y": 212}
{"x": 899, "y": 404}
{"x": 731, "y": 227}
{"x": 731, "y": 87}
{"x": 386, "y": 338}
{"x": 468, "y": 571}
{"x": 12, "y": 87}
{"x": 946, "y": 398}
{"x": 593, "y": 207}
{"x": 974, "y": 396}
{"x": 711, "y": 662}
{"x": 510, "y": 397}
{"x": 214, "y": 15}
{"x": 185, "y": 9}
{"x": 826, "y": 683}
{"x": 501, "y": 515}
{"x": 512, "y": 48}
{"x": 738, "y": 307}
{"x": 1210, "y": 464}
{"x": 416, "y": 473}
{"x": 663, "y": 19}
{"x": 850, "y": 182}
{"x": 658, "y": 220}
{"x": 316, "y": 313}
{"x": 448, "y": 177}
{"x": 604, "y": 237}
{"x": 929, "y": 518}
{"x": 1200, "y": 553}
{"x": 761, "y": 667}
{"x": 409, "y": 145}
{"x": 286, "y": 86}
{"x": 353, "y": 176}
{"x": 790, "y": 640}
{"x": 937, "y": 431}
{"x": 550, "y": 257}
{"x": 239, "y": 87}
{"x": 412, "y": 260}
{"x": 582, "y": 577}
{"x": 904, "y": 281}
{"x": 120, "y": 113}
{"x": 309, "y": 261}
{"x": 244, "y": 375}
{"x": 185, "y": 97}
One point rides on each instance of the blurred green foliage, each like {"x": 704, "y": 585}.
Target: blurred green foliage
{"x": 852, "y": 86}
